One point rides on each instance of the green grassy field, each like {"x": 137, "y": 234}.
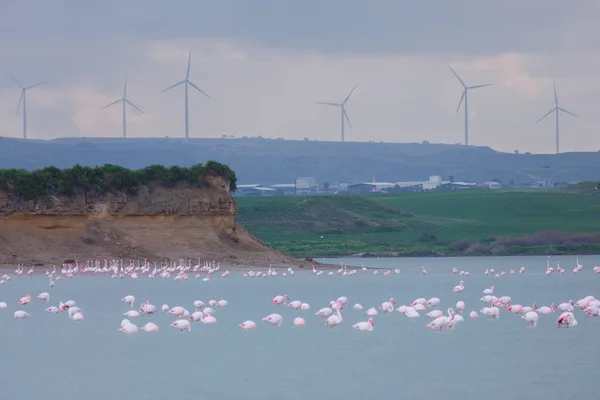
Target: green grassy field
{"x": 439, "y": 223}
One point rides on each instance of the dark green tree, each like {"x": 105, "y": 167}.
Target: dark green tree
{"x": 102, "y": 179}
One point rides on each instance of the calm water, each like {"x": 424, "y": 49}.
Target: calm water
{"x": 51, "y": 357}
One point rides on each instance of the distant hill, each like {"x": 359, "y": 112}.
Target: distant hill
{"x": 270, "y": 161}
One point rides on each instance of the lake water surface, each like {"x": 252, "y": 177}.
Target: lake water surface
{"x": 50, "y": 357}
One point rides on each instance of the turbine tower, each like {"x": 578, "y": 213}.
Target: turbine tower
{"x": 344, "y": 115}
{"x": 23, "y": 100}
{"x": 556, "y": 109}
{"x": 464, "y": 97}
{"x": 125, "y": 101}
{"x": 187, "y": 82}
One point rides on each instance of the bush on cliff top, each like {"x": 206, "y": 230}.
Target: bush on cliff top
{"x": 102, "y": 179}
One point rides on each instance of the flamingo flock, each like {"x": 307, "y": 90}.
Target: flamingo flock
{"x": 331, "y": 315}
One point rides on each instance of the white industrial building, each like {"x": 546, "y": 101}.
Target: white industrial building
{"x": 304, "y": 185}
{"x": 308, "y": 186}
{"x": 492, "y": 185}
{"x": 301, "y": 186}
{"x": 433, "y": 183}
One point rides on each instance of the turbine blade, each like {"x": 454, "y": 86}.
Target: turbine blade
{"x": 330, "y": 104}
{"x": 172, "y": 86}
{"x": 134, "y": 106}
{"x": 197, "y": 88}
{"x": 555, "y": 96}
{"x": 568, "y": 112}
{"x": 20, "y": 101}
{"x": 125, "y": 87}
{"x": 461, "y": 99}
{"x": 16, "y": 81}
{"x": 346, "y": 115}
{"x": 344, "y": 102}
{"x": 187, "y": 75}
{"x": 112, "y": 104}
{"x": 458, "y": 77}
{"x": 32, "y": 86}
{"x": 548, "y": 113}
{"x": 478, "y": 86}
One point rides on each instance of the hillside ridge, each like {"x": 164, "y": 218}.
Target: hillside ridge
{"x": 270, "y": 161}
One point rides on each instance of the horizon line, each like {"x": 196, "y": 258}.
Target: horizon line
{"x": 121, "y": 139}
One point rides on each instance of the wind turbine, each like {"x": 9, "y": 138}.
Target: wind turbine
{"x": 343, "y": 110}
{"x": 187, "y": 82}
{"x": 464, "y": 97}
{"x": 125, "y": 101}
{"x": 556, "y": 109}
{"x": 23, "y": 100}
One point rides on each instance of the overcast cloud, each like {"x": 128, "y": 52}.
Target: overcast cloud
{"x": 266, "y": 62}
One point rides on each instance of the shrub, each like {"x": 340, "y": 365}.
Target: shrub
{"x": 547, "y": 239}
{"x": 477, "y": 248}
{"x": 102, "y": 179}
{"x": 461, "y": 245}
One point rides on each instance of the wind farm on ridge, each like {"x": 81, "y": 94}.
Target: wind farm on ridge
{"x": 343, "y": 113}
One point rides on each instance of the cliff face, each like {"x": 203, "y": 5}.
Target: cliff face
{"x": 156, "y": 223}
{"x": 150, "y": 200}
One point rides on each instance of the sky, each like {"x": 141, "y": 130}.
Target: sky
{"x": 265, "y": 64}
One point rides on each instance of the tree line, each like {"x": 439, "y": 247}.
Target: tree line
{"x": 30, "y": 185}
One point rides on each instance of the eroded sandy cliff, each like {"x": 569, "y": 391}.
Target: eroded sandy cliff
{"x": 157, "y": 223}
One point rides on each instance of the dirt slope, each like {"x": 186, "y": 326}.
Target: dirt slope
{"x": 157, "y": 223}
{"x": 54, "y": 239}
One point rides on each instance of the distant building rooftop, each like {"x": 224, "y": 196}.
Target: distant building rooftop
{"x": 263, "y": 189}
